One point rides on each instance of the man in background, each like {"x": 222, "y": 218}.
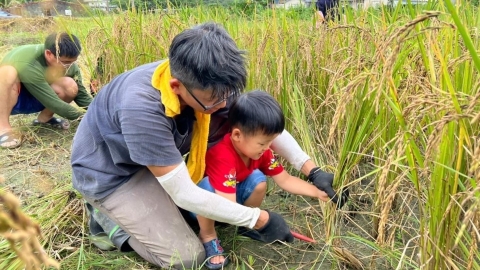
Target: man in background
{"x": 41, "y": 78}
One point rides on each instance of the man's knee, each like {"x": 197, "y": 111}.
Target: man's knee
{"x": 8, "y": 75}
{"x": 66, "y": 88}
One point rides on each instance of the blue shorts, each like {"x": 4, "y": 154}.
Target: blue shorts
{"x": 244, "y": 188}
{"x": 26, "y": 103}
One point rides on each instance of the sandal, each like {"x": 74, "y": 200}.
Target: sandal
{"x": 8, "y": 140}
{"x": 54, "y": 123}
{"x": 212, "y": 249}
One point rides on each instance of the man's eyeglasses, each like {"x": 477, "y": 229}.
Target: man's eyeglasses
{"x": 206, "y": 108}
{"x": 66, "y": 66}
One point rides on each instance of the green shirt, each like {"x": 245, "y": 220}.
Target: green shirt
{"x": 31, "y": 66}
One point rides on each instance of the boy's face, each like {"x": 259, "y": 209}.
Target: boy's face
{"x": 251, "y": 146}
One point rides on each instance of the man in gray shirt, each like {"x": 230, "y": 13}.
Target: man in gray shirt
{"x": 127, "y": 154}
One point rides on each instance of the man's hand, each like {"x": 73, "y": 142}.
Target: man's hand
{"x": 323, "y": 181}
{"x": 94, "y": 87}
{"x": 275, "y": 229}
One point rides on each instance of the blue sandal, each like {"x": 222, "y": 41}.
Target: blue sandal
{"x": 213, "y": 249}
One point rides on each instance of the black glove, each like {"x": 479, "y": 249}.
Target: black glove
{"x": 275, "y": 229}
{"x": 323, "y": 181}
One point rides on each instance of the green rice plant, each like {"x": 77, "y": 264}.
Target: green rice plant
{"x": 433, "y": 156}
{"x": 353, "y": 125}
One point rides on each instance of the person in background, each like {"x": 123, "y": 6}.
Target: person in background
{"x": 326, "y": 11}
{"x": 41, "y": 78}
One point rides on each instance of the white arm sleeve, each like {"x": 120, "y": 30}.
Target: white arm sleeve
{"x": 287, "y": 147}
{"x": 189, "y": 196}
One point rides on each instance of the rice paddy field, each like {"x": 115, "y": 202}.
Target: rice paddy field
{"x": 386, "y": 98}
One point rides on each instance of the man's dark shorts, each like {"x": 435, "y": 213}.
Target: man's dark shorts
{"x": 26, "y": 103}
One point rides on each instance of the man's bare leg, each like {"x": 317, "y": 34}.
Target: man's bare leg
{"x": 9, "y": 91}
{"x": 320, "y": 18}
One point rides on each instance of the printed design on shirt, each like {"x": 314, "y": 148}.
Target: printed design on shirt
{"x": 231, "y": 179}
{"x": 273, "y": 163}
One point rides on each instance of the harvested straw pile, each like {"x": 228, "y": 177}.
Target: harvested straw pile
{"x": 27, "y": 24}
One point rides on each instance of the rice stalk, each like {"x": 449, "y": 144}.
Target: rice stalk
{"x": 57, "y": 215}
{"x": 21, "y": 233}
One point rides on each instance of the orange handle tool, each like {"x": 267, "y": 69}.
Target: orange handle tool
{"x": 302, "y": 237}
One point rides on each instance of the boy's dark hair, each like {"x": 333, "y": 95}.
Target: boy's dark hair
{"x": 63, "y": 44}
{"x": 205, "y": 57}
{"x": 257, "y": 112}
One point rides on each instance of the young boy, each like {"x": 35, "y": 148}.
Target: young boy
{"x": 238, "y": 166}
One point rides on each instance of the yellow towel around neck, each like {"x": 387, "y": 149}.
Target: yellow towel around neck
{"x": 198, "y": 148}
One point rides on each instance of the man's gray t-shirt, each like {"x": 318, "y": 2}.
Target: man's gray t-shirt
{"x": 126, "y": 129}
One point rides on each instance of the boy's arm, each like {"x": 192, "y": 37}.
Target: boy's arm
{"x": 295, "y": 185}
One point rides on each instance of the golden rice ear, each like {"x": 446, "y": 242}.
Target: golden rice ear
{"x": 22, "y": 233}
{"x": 57, "y": 47}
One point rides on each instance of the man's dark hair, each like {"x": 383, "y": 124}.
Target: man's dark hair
{"x": 63, "y": 44}
{"x": 205, "y": 57}
{"x": 257, "y": 112}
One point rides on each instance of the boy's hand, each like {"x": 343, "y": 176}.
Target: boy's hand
{"x": 275, "y": 229}
{"x": 323, "y": 181}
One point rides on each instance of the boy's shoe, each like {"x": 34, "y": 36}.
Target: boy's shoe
{"x": 99, "y": 224}
{"x": 212, "y": 249}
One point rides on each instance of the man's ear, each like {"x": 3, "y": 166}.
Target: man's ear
{"x": 236, "y": 134}
{"x": 48, "y": 54}
{"x": 175, "y": 85}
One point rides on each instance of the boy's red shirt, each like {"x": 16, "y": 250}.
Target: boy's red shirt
{"x": 225, "y": 168}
